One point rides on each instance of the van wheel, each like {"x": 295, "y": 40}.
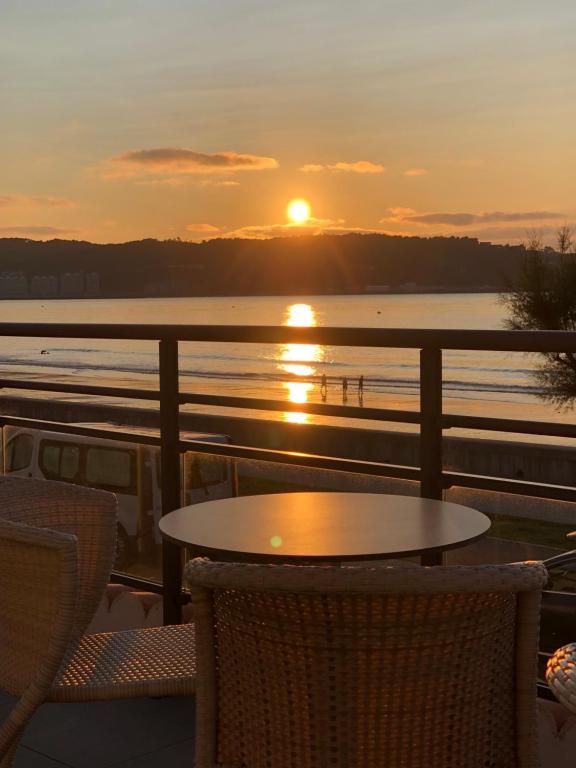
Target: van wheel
{"x": 124, "y": 549}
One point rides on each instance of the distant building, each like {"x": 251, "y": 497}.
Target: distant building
{"x": 92, "y": 287}
{"x": 72, "y": 285}
{"x": 44, "y": 286}
{"x": 13, "y": 285}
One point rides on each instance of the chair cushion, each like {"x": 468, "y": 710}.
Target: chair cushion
{"x": 157, "y": 661}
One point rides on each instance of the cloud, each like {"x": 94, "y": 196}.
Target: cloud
{"x": 208, "y": 229}
{"x": 313, "y": 227}
{"x": 416, "y": 172}
{"x": 359, "y": 166}
{"x": 493, "y": 226}
{"x": 186, "y": 181}
{"x": 38, "y": 201}
{"x": 398, "y": 214}
{"x": 168, "y": 181}
{"x": 178, "y": 160}
{"x": 407, "y": 216}
{"x": 35, "y": 231}
{"x": 265, "y": 231}
{"x": 216, "y": 183}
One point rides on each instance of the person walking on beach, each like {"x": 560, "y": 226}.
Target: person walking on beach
{"x": 323, "y": 386}
{"x": 344, "y": 388}
{"x": 361, "y": 390}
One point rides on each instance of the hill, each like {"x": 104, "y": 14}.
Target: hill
{"x": 326, "y": 264}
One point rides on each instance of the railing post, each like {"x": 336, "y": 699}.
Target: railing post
{"x": 431, "y": 425}
{"x": 170, "y": 470}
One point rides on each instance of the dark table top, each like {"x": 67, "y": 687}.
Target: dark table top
{"x": 296, "y": 527}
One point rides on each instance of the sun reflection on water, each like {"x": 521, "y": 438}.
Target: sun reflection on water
{"x": 296, "y": 360}
{"x": 302, "y": 315}
{"x": 298, "y": 369}
{"x": 298, "y": 391}
{"x": 296, "y": 417}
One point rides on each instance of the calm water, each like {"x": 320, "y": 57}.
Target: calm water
{"x": 474, "y": 383}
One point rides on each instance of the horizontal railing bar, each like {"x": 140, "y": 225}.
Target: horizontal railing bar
{"x": 144, "y": 585}
{"x": 226, "y": 449}
{"x": 505, "y": 341}
{"x": 449, "y": 421}
{"x": 518, "y": 487}
{"x": 81, "y": 389}
{"x": 550, "y": 428}
{"x": 72, "y": 429}
{"x": 321, "y": 409}
{"x": 313, "y": 461}
{"x": 260, "y": 404}
{"x": 480, "y": 482}
{"x": 224, "y": 401}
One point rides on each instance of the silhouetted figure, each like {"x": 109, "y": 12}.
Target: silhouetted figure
{"x": 361, "y": 390}
{"x": 323, "y": 386}
{"x": 345, "y": 388}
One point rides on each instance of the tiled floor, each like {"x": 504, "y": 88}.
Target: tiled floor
{"x": 138, "y": 733}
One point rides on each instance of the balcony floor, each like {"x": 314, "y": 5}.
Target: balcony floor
{"x": 137, "y": 733}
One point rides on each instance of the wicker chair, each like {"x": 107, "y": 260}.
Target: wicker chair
{"x": 88, "y": 514}
{"x": 44, "y": 610}
{"x": 322, "y": 667}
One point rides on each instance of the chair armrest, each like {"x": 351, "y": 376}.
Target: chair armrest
{"x": 563, "y": 559}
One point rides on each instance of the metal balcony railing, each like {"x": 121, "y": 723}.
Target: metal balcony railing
{"x": 430, "y": 418}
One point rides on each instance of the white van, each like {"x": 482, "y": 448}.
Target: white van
{"x": 130, "y": 470}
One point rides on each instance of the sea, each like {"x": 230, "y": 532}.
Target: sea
{"x": 474, "y": 383}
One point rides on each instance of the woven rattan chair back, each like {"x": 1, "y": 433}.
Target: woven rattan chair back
{"x": 309, "y": 667}
{"x": 90, "y": 515}
{"x": 38, "y": 595}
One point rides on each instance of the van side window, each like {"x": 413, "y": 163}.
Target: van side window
{"x": 112, "y": 469}
{"x": 50, "y": 460}
{"x": 69, "y": 462}
{"x": 60, "y": 461}
{"x": 19, "y": 452}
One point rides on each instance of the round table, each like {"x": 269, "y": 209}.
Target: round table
{"x": 561, "y": 675}
{"x": 323, "y": 527}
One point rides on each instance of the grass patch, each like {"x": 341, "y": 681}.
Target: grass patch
{"x": 547, "y": 534}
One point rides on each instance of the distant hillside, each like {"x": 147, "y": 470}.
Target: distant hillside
{"x": 328, "y": 264}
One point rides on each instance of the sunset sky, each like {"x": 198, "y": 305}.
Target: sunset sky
{"x": 125, "y": 119}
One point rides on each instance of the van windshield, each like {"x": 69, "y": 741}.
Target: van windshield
{"x": 19, "y": 452}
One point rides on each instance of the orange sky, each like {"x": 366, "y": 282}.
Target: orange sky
{"x": 124, "y": 120}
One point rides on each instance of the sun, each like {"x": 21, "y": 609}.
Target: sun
{"x": 298, "y": 211}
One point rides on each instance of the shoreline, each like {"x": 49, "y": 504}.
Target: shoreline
{"x": 400, "y": 291}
